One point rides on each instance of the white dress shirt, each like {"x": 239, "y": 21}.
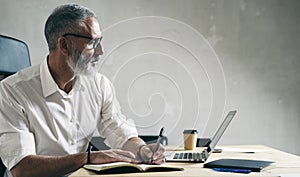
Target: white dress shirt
{"x": 36, "y": 117}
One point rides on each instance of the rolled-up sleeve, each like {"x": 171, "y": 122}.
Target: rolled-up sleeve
{"x": 16, "y": 141}
{"x": 113, "y": 125}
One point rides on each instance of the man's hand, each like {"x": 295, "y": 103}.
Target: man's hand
{"x": 147, "y": 155}
{"x": 144, "y": 153}
{"x": 113, "y": 155}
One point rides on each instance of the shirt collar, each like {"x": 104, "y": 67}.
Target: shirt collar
{"x": 49, "y": 86}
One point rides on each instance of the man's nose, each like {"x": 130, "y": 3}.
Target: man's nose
{"x": 99, "y": 50}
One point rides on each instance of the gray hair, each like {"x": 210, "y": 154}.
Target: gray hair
{"x": 65, "y": 19}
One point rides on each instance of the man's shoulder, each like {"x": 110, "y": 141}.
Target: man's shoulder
{"x": 25, "y": 74}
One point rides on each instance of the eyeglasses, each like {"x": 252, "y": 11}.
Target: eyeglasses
{"x": 92, "y": 44}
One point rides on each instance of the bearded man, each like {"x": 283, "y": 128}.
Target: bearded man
{"x": 49, "y": 112}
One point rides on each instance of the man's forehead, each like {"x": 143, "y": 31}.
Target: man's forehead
{"x": 92, "y": 27}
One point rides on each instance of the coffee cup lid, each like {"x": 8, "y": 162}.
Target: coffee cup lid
{"x": 190, "y": 132}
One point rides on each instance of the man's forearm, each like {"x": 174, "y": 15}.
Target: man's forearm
{"x": 37, "y": 165}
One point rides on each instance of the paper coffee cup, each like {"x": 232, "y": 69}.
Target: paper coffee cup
{"x": 190, "y": 139}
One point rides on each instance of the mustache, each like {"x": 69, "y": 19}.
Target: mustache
{"x": 95, "y": 58}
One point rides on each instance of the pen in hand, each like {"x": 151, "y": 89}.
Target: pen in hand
{"x": 161, "y": 133}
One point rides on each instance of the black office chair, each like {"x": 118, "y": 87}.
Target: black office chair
{"x": 97, "y": 142}
{"x": 14, "y": 56}
{"x": 153, "y": 138}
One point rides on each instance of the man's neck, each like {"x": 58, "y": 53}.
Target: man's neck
{"x": 60, "y": 72}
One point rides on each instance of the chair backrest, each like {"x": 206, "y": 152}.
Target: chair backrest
{"x": 2, "y": 168}
{"x": 153, "y": 138}
{"x": 98, "y": 142}
{"x": 14, "y": 56}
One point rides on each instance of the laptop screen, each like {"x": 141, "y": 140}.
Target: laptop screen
{"x": 221, "y": 130}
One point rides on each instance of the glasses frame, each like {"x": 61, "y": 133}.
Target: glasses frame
{"x": 96, "y": 41}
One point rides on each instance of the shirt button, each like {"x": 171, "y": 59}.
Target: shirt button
{"x": 72, "y": 120}
{"x": 73, "y": 141}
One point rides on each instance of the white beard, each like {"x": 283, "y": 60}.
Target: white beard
{"x": 84, "y": 66}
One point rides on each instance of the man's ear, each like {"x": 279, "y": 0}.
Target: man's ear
{"x": 63, "y": 45}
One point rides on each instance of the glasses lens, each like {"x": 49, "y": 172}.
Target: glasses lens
{"x": 91, "y": 44}
{"x": 94, "y": 43}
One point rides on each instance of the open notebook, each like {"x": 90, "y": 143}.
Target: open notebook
{"x": 124, "y": 167}
{"x": 190, "y": 156}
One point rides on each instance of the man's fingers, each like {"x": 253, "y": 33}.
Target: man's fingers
{"x": 160, "y": 152}
{"x": 125, "y": 153}
{"x": 146, "y": 153}
{"x": 159, "y": 156}
{"x": 159, "y": 161}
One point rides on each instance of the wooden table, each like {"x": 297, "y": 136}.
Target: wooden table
{"x": 285, "y": 164}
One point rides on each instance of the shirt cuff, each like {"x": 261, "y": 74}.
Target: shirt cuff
{"x": 15, "y": 146}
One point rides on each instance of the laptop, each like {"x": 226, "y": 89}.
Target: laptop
{"x": 201, "y": 156}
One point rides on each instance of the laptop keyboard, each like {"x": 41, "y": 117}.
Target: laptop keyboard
{"x": 187, "y": 155}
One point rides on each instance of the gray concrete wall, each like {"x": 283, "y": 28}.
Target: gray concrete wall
{"x": 185, "y": 63}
